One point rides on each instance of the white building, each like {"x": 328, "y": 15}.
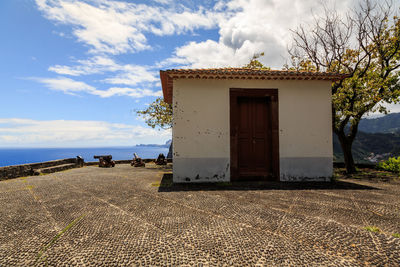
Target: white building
{"x": 235, "y": 123}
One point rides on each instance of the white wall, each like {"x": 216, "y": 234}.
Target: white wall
{"x": 201, "y": 133}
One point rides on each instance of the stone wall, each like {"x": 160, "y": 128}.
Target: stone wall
{"x": 14, "y": 171}
{"x": 124, "y": 161}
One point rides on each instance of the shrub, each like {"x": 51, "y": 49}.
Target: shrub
{"x": 392, "y": 165}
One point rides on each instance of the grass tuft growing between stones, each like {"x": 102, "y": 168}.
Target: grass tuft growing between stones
{"x": 396, "y": 235}
{"x": 373, "y": 229}
{"x": 224, "y": 184}
{"x": 40, "y": 256}
{"x": 156, "y": 184}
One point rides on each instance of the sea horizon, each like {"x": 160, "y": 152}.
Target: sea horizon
{"x": 18, "y": 155}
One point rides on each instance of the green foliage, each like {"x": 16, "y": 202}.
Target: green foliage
{"x": 365, "y": 45}
{"x": 373, "y": 229}
{"x": 392, "y": 165}
{"x": 300, "y": 65}
{"x": 158, "y": 114}
{"x": 396, "y": 235}
{"x": 255, "y": 63}
{"x": 365, "y": 91}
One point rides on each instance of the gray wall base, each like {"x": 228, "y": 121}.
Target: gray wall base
{"x": 201, "y": 170}
{"x": 306, "y": 169}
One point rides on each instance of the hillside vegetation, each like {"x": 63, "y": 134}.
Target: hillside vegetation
{"x": 386, "y": 124}
{"x": 377, "y": 139}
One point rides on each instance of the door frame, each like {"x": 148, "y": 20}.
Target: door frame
{"x": 234, "y": 94}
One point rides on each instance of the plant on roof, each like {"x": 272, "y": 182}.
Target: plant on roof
{"x": 255, "y": 63}
{"x": 365, "y": 44}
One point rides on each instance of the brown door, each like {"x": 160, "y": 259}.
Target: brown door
{"x": 254, "y": 134}
{"x": 254, "y": 137}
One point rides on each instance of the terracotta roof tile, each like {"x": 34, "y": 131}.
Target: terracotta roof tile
{"x": 168, "y": 76}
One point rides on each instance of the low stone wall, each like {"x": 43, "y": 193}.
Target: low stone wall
{"x": 14, "y": 171}
{"x": 125, "y": 161}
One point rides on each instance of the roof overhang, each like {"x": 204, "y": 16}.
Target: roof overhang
{"x": 168, "y": 76}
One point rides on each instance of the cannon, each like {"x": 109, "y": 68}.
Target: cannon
{"x": 137, "y": 162}
{"x": 105, "y": 161}
{"x": 80, "y": 161}
{"x": 161, "y": 160}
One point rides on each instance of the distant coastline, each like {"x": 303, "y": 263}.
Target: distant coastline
{"x": 167, "y": 144}
{"x": 152, "y": 145}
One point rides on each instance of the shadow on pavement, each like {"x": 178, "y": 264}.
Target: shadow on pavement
{"x": 166, "y": 185}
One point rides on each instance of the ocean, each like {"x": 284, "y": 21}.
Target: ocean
{"x": 16, "y": 156}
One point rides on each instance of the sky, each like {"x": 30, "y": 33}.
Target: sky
{"x": 73, "y": 73}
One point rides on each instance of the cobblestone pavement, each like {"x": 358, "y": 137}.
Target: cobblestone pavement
{"x": 133, "y": 216}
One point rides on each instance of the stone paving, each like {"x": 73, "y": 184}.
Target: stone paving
{"x": 126, "y": 216}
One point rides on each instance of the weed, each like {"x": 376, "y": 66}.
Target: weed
{"x": 373, "y": 229}
{"x": 224, "y": 184}
{"x": 335, "y": 177}
{"x": 156, "y": 184}
{"x": 396, "y": 235}
{"x": 161, "y": 184}
{"x": 382, "y": 173}
{"x": 55, "y": 238}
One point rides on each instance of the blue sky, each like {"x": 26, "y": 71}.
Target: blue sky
{"x": 74, "y": 72}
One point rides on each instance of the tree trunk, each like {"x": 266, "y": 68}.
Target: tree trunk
{"x": 346, "y": 144}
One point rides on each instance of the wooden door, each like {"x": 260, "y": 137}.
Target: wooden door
{"x": 254, "y": 134}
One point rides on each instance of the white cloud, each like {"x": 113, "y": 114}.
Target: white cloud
{"x": 65, "y": 85}
{"x": 163, "y": 2}
{"x": 126, "y": 74}
{"x": 134, "y": 93}
{"x": 245, "y": 27}
{"x": 31, "y": 133}
{"x": 133, "y": 75}
{"x": 116, "y": 27}
{"x": 253, "y": 26}
{"x": 70, "y": 86}
{"x": 96, "y": 64}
